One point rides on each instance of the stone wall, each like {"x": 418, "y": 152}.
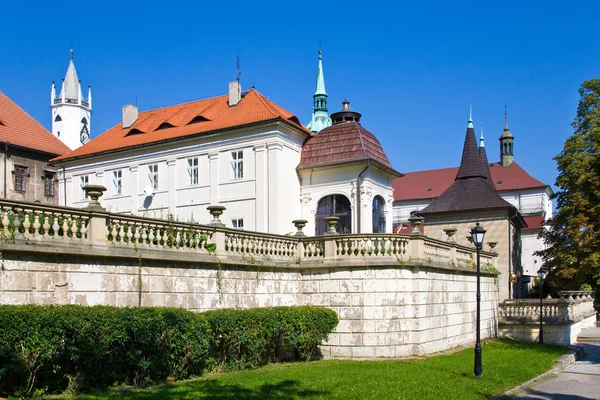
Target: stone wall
{"x": 36, "y": 166}
{"x": 564, "y": 334}
{"x": 386, "y": 309}
{"x": 498, "y": 230}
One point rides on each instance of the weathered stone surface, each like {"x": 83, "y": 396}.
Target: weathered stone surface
{"x": 387, "y": 311}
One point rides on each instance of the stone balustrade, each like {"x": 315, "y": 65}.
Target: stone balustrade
{"x": 22, "y": 220}
{"x": 572, "y": 306}
{"x": 128, "y": 231}
{"x": 99, "y": 228}
{"x": 562, "y": 318}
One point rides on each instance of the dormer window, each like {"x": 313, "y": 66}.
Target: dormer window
{"x": 197, "y": 119}
{"x": 165, "y": 125}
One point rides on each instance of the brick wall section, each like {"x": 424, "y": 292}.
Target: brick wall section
{"x": 384, "y": 310}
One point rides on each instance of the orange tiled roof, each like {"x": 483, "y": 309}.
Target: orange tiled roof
{"x": 20, "y": 129}
{"x": 188, "y": 119}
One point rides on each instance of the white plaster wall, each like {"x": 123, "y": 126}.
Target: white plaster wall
{"x": 70, "y": 126}
{"x": 267, "y": 196}
{"x": 530, "y": 201}
{"x": 321, "y": 182}
{"x": 530, "y": 262}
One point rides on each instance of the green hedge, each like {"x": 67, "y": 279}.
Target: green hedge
{"x": 254, "y": 337}
{"x": 56, "y": 348}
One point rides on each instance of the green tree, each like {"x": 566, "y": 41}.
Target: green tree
{"x": 573, "y": 234}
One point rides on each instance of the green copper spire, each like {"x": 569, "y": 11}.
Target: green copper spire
{"x": 481, "y": 144}
{"x": 320, "y": 117}
{"x": 470, "y": 124}
{"x": 320, "y": 76}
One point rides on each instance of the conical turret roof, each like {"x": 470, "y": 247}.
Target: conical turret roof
{"x": 70, "y": 86}
{"x": 472, "y": 189}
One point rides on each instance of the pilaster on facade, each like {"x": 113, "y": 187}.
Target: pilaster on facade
{"x": 172, "y": 188}
{"x": 213, "y": 160}
{"x": 262, "y": 187}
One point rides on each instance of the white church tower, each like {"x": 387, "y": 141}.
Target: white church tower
{"x": 71, "y": 114}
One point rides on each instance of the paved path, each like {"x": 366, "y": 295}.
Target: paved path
{"x": 579, "y": 381}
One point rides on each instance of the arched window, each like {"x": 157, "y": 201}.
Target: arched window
{"x": 335, "y": 205}
{"x": 58, "y": 118}
{"x": 510, "y": 148}
{"x": 378, "y": 215}
{"x": 505, "y": 151}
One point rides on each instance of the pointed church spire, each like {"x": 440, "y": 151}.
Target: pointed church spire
{"x": 320, "y": 76}
{"x": 485, "y": 166}
{"x": 470, "y": 165}
{"x": 320, "y": 117}
{"x": 470, "y": 122}
{"x": 70, "y": 87}
{"x": 481, "y": 143}
{"x": 71, "y": 113}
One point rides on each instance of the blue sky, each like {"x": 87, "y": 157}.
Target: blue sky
{"x": 411, "y": 68}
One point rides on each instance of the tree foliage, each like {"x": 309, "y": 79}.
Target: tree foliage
{"x": 573, "y": 234}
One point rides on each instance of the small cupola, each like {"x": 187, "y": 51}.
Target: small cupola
{"x": 506, "y": 144}
{"x": 345, "y": 115}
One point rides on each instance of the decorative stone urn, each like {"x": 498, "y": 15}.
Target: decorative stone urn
{"x": 94, "y": 192}
{"x": 299, "y": 224}
{"x": 216, "y": 212}
{"x": 450, "y": 232}
{"x": 331, "y": 225}
{"x": 415, "y": 222}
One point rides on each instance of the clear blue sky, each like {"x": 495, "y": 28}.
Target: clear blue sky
{"x": 411, "y": 68}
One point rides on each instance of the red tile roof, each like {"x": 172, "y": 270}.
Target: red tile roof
{"x": 343, "y": 142}
{"x": 185, "y": 120}
{"x": 432, "y": 183}
{"x": 534, "y": 222}
{"x": 20, "y": 129}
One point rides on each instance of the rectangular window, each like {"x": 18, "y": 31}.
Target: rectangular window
{"x": 237, "y": 164}
{"x": 237, "y": 223}
{"x": 153, "y": 175}
{"x": 49, "y": 184}
{"x": 83, "y": 180}
{"x": 117, "y": 182}
{"x": 20, "y": 173}
{"x": 192, "y": 170}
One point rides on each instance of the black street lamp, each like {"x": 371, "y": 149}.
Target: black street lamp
{"x": 477, "y": 234}
{"x": 542, "y": 274}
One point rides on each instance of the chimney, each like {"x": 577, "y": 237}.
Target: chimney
{"x": 235, "y": 93}
{"x": 130, "y": 115}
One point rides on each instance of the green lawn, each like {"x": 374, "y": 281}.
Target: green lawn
{"x": 506, "y": 364}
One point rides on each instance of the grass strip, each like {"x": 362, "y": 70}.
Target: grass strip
{"x": 506, "y": 364}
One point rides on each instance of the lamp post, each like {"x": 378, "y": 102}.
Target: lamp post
{"x": 542, "y": 274}
{"x": 477, "y": 235}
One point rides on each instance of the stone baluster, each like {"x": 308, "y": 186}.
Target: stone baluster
{"x": 36, "y": 225}
{"x": 46, "y": 226}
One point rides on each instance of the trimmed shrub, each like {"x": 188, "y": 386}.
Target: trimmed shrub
{"x": 251, "y": 338}
{"x": 74, "y": 348}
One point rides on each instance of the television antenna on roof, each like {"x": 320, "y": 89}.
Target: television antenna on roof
{"x": 238, "y": 72}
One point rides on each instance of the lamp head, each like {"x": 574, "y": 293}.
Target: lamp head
{"x": 541, "y": 273}
{"x": 478, "y": 233}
